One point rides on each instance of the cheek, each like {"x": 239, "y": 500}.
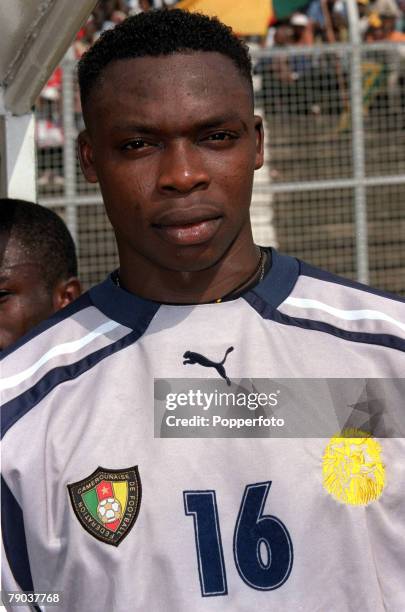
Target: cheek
{"x": 31, "y": 309}
{"x": 14, "y": 319}
{"x": 234, "y": 173}
{"x": 237, "y": 187}
{"x": 126, "y": 188}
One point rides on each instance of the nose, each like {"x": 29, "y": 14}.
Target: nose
{"x": 182, "y": 169}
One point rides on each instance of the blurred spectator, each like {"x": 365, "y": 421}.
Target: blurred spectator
{"x": 302, "y": 29}
{"x": 384, "y": 73}
{"x": 375, "y": 31}
{"x": 401, "y": 18}
{"x": 52, "y": 89}
{"x": 389, "y": 28}
{"x": 301, "y": 64}
{"x": 328, "y": 23}
{"x": 383, "y": 27}
{"x": 297, "y": 81}
{"x": 139, "y": 6}
{"x": 364, "y": 13}
{"x": 38, "y": 267}
{"x": 385, "y": 7}
{"x": 284, "y": 36}
{"x": 315, "y": 12}
{"x": 85, "y": 37}
{"x": 49, "y": 132}
{"x": 108, "y": 13}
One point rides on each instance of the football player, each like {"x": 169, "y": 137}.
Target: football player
{"x": 136, "y": 489}
{"x": 38, "y": 267}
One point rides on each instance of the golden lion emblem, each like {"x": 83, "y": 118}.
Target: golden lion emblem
{"x": 353, "y": 472}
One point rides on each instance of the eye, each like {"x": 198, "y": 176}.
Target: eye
{"x": 222, "y": 139}
{"x": 137, "y": 144}
{"x": 4, "y": 293}
{"x": 221, "y": 136}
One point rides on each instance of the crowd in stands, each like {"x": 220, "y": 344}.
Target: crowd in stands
{"x": 107, "y": 14}
{"x": 49, "y": 129}
{"x": 304, "y": 83}
{"x": 318, "y": 21}
{"x": 294, "y": 79}
{"x": 327, "y": 21}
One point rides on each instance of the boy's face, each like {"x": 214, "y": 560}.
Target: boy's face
{"x": 173, "y": 142}
{"x": 24, "y": 298}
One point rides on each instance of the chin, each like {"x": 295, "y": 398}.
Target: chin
{"x": 193, "y": 259}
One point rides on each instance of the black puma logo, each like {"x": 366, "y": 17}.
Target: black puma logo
{"x": 193, "y": 358}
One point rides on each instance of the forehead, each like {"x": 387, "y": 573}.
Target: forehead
{"x": 200, "y": 82}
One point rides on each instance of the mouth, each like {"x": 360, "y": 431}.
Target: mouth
{"x": 188, "y": 230}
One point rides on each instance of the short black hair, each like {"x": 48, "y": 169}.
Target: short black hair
{"x": 44, "y": 236}
{"x": 161, "y": 32}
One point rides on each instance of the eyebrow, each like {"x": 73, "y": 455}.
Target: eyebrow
{"x": 208, "y": 123}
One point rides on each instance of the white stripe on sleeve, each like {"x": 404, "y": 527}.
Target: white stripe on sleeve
{"x": 61, "y": 349}
{"x": 347, "y": 315}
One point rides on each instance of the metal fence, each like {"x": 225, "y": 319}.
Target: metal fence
{"x": 332, "y": 190}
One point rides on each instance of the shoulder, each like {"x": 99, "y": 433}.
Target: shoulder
{"x": 346, "y": 308}
{"x": 100, "y": 324}
{"x": 64, "y": 347}
{"x": 314, "y": 284}
{"x": 299, "y": 294}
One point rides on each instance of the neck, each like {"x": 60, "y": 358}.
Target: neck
{"x": 150, "y": 280}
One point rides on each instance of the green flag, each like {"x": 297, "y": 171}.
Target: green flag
{"x": 284, "y": 8}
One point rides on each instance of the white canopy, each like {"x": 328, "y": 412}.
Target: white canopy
{"x": 34, "y": 36}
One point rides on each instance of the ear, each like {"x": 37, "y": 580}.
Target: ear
{"x": 86, "y": 157}
{"x": 258, "y": 122}
{"x": 66, "y": 291}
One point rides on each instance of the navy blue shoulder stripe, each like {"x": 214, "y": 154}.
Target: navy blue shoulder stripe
{"x": 308, "y": 270}
{"x": 119, "y": 304}
{"x": 16, "y": 408}
{"x": 279, "y": 280}
{"x": 267, "y": 312}
{"x": 13, "y": 534}
{"x": 81, "y": 303}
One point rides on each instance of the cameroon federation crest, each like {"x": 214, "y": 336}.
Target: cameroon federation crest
{"x": 107, "y": 503}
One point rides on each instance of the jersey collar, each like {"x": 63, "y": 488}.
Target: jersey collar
{"x": 131, "y": 310}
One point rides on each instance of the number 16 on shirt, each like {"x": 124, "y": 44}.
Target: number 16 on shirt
{"x": 262, "y": 546}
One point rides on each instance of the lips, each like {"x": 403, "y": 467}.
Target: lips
{"x": 186, "y": 228}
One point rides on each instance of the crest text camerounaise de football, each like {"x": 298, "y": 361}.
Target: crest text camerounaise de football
{"x": 107, "y": 502}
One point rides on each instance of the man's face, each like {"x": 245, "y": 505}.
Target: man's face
{"x": 174, "y": 144}
{"x": 24, "y": 297}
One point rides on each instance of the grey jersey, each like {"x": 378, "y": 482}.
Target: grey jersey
{"x": 98, "y": 503}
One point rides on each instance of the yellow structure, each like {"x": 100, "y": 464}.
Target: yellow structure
{"x": 245, "y": 18}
